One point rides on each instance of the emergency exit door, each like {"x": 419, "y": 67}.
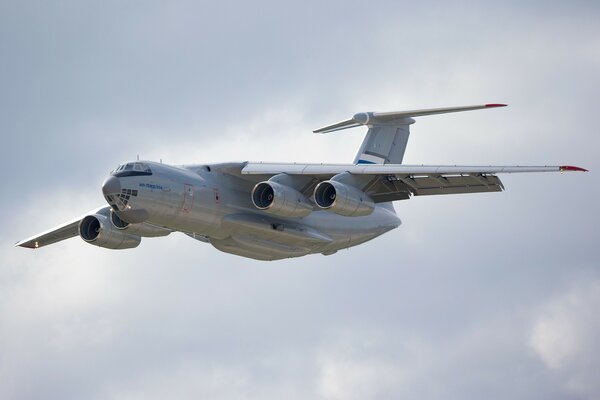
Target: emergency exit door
{"x": 188, "y": 198}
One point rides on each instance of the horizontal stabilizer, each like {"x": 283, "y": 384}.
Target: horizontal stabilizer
{"x": 384, "y": 118}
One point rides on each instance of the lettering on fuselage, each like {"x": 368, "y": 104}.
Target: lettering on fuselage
{"x": 151, "y": 186}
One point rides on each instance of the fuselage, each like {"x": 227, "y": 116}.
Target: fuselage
{"x": 216, "y": 207}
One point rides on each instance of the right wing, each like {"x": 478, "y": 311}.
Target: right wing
{"x": 390, "y": 182}
{"x": 61, "y": 232}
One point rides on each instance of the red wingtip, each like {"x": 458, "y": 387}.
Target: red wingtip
{"x": 572, "y": 168}
{"x": 495, "y": 105}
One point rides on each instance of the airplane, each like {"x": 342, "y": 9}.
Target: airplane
{"x": 272, "y": 211}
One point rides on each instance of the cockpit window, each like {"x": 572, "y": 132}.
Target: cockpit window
{"x": 132, "y": 169}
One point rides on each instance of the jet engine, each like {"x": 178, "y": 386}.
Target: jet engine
{"x": 343, "y": 199}
{"x": 282, "y": 200}
{"x": 98, "y": 230}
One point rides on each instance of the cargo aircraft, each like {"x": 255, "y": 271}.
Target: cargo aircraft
{"x": 271, "y": 211}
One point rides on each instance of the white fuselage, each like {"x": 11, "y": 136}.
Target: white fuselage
{"x": 216, "y": 207}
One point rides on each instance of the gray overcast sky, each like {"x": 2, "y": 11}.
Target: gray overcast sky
{"x": 474, "y": 296}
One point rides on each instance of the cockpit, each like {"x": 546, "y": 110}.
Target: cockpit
{"x": 132, "y": 169}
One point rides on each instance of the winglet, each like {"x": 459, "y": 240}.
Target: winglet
{"x": 571, "y": 168}
{"x": 495, "y": 105}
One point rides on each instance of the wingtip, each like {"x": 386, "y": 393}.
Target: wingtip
{"x": 492, "y": 105}
{"x": 572, "y": 168}
{"x": 27, "y": 244}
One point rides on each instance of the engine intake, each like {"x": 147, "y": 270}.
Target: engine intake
{"x": 142, "y": 229}
{"x": 117, "y": 222}
{"x": 343, "y": 199}
{"x": 282, "y": 200}
{"x": 96, "y": 229}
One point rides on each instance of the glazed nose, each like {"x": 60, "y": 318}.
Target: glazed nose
{"x": 111, "y": 185}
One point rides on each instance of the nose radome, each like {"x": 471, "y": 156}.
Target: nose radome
{"x": 111, "y": 185}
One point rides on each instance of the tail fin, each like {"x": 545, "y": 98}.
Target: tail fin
{"x": 388, "y": 132}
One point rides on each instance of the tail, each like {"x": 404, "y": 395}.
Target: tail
{"x": 388, "y": 132}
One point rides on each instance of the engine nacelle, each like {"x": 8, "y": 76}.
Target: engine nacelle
{"x": 343, "y": 199}
{"x": 142, "y": 229}
{"x": 282, "y": 200}
{"x": 98, "y": 230}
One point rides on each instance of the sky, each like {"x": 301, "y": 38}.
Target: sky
{"x": 474, "y": 296}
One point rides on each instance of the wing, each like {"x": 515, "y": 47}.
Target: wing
{"x": 389, "y": 182}
{"x": 61, "y": 232}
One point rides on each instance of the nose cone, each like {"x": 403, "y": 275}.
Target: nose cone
{"x": 111, "y": 185}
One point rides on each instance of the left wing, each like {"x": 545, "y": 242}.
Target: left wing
{"x": 389, "y": 182}
{"x": 64, "y": 231}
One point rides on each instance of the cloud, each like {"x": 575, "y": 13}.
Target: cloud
{"x": 566, "y": 337}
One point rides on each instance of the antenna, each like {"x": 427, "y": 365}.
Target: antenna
{"x": 138, "y": 157}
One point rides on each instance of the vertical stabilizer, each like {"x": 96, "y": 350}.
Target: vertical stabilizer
{"x": 385, "y": 143}
{"x": 388, "y": 132}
